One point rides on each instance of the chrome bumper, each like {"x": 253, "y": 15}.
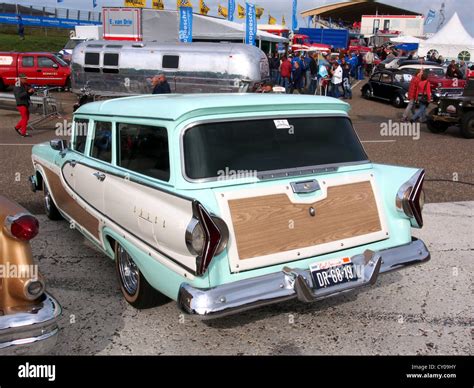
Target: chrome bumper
{"x": 33, "y": 332}
{"x": 291, "y": 283}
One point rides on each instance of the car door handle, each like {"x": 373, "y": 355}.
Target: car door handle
{"x": 39, "y": 70}
{"x": 99, "y": 176}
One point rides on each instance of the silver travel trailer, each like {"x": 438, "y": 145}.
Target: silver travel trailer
{"x": 119, "y": 68}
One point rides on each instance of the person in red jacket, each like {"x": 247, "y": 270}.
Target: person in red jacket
{"x": 285, "y": 72}
{"x": 412, "y": 95}
{"x": 423, "y": 97}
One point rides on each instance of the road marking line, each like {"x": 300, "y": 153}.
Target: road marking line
{"x": 378, "y": 141}
{"x": 357, "y": 83}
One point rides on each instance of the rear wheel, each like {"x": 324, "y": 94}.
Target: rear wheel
{"x": 467, "y": 125}
{"x": 397, "y": 101}
{"x": 135, "y": 288}
{"x": 49, "y": 206}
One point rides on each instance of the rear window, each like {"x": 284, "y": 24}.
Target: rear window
{"x": 258, "y": 146}
{"x": 27, "y": 61}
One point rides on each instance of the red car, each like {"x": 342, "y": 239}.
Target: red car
{"x": 41, "y": 69}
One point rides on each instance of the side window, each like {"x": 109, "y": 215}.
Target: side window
{"x": 80, "y": 135}
{"x": 45, "y": 62}
{"x": 102, "y": 144}
{"x": 144, "y": 149}
{"x": 111, "y": 61}
{"x": 375, "y": 78}
{"x": 28, "y": 61}
{"x": 91, "y": 62}
{"x": 170, "y": 62}
{"x": 386, "y": 78}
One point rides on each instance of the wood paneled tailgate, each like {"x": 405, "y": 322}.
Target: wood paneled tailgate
{"x": 270, "y": 224}
{"x": 69, "y": 206}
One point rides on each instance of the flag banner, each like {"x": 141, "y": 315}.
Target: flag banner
{"x": 430, "y": 17}
{"x": 271, "y": 20}
{"x": 240, "y": 11}
{"x": 259, "y": 12}
{"x": 294, "y": 24}
{"x": 250, "y": 24}
{"x": 135, "y": 3}
{"x": 60, "y": 1}
{"x": 183, "y": 3}
{"x": 203, "y": 8}
{"x": 222, "y": 11}
{"x": 94, "y": 3}
{"x": 157, "y": 4}
{"x": 231, "y": 8}
{"x": 283, "y": 21}
{"x": 185, "y": 24}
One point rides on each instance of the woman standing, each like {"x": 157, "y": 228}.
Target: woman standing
{"x": 423, "y": 97}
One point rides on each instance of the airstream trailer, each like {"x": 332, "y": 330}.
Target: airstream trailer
{"x": 106, "y": 68}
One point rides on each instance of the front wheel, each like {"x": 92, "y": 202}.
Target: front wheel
{"x": 467, "y": 125}
{"x": 135, "y": 288}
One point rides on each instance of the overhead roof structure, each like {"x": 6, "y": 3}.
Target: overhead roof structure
{"x": 352, "y": 11}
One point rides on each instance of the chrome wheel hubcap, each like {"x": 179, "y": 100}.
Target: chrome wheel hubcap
{"x": 128, "y": 271}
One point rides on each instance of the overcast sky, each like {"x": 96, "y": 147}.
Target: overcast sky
{"x": 276, "y": 8}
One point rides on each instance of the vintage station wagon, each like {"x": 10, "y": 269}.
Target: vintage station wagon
{"x": 228, "y": 202}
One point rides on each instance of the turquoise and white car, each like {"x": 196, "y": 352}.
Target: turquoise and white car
{"x": 228, "y": 202}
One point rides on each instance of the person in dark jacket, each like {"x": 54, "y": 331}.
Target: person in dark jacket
{"x": 297, "y": 78}
{"x": 22, "y": 92}
{"x": 160, "y": 85}
{"x": 274, "y": 63}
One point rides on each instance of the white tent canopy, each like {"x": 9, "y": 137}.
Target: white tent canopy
{"x": 452, "y": 41}
{"x": 162, "y": 26}
{"x": 406, "y": 39}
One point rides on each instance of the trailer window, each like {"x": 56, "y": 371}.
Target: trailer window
{"x": 144, "y": 149}
{"x": 80, "y": 135}
{"x": 102, "y": 144}
{"x": 111, "y": 59}
{"x": 27, "y": 61}
{"x": 170, "y": 62}
{"x": 92, "y": 59}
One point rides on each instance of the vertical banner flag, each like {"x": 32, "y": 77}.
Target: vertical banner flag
{"x": 259, "y": 12}
{"x": 430, "y": 17}
{"x": 294, "y": 24}
{"x": 240, "y": 11}
{"x": 185, "y": 24}
{"x": 203, "y": 8}
{"x": 231, "y": 8}
{"x": 158, "y": 4}
{"x": 271, "y": 19}
{"x": 250, "y": 24}
{"x": 94, "y": 3}
{"x": 283, "y": 21}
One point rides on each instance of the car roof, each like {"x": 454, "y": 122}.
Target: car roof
{"x": 183, "y": 106}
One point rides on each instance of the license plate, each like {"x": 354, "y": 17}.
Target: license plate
{"x": 329, "y": 273}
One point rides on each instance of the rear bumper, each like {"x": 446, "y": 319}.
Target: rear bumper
{"x": 33, "y": 332}
{"x": 291, "y": 283}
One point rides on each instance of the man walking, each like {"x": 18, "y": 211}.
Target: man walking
{"x": 160, "y": 85}
{"x": 22, "y": 92}
{"x": 274, "y": 67}
{"x": 285, "y": 72}
{"x": 412, "y": 89}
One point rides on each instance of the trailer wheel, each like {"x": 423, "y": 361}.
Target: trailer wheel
{"x": 135, "y": 288}
{"x": 467, "y": 125}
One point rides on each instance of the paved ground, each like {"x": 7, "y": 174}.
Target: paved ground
{"x": 422, "y": 310}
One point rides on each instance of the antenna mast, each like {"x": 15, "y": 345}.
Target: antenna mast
{"x": 442, "y": 16}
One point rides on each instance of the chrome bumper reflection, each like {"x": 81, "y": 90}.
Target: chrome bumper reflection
{"x": 291, "y": 283}
{"x": 33, "y": 332}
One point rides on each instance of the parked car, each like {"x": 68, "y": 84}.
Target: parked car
{"x": 225, "y": 202}
{"x": 454, "y": 110}
{"x": 440, "y": 84}
{"x": 388, "y": 86}
{"x": 28, "y": 315}
{"x": 41, "y": 69}
{"x": 391, "y": 63}
{"x": 110, "y": 68}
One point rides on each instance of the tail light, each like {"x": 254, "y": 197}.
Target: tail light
{"x": 22, "y": 226}
{"x": 206, "y": 237}
{"x": 411, "y": 199}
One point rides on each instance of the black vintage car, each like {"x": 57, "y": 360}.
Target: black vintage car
{"x": 454, "y": 110}
{"x": 389, "y": 86}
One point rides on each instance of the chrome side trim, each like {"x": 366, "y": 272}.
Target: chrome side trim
{"x": 291, "y": 283}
